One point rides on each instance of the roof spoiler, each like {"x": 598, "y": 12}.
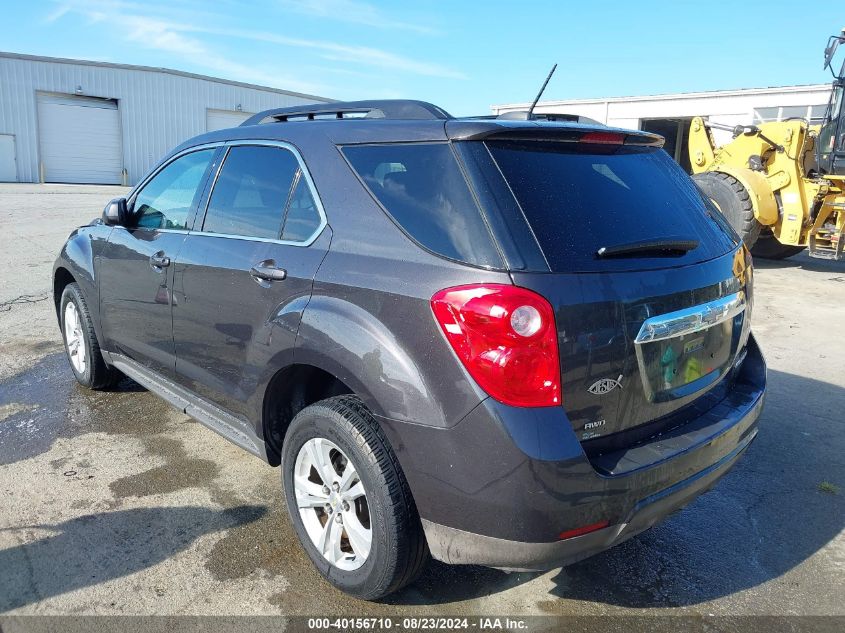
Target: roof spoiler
{"x": 533, "y": 130}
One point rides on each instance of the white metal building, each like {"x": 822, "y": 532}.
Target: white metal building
{"x": 670, "y": 114}
{"x": 65, "y": 120}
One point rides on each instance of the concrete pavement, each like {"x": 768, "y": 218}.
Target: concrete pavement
{"x": 114, "y": 503}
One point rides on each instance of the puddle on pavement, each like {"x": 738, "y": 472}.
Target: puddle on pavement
{"x": 48, "y": 404}
{"x": 10, "y": 409}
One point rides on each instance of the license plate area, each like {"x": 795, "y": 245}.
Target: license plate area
{"x": 684, "y": 352}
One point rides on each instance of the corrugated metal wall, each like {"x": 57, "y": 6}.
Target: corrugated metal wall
{"x": 158, "y": 110}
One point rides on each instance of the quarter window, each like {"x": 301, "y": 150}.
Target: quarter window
{"x": 252, "y": 192}
{"x": 423, "y": 189}
{"x": 167, "y": 200}
{"x": 302, "y": 218}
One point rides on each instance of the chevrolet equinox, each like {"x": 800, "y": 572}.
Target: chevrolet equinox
{"x": 512, "y": 342}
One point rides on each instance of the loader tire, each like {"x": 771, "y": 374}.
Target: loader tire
{"x": 731, "y": 198}
{"x": 768, "y": 247}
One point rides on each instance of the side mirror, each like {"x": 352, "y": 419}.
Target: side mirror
{"x": 116, "y": 212}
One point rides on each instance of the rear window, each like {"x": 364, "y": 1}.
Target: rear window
{"x": 423, "y": 189}
{"x": 579, "y": 199}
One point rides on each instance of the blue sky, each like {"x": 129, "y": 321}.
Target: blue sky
{"x": 464, "y": 56}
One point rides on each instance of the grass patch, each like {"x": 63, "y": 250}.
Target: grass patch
{"x": 829, "y": 488}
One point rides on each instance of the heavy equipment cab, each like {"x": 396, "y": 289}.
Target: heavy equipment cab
{"x": 830, "y": 150}
{"x": 780, "y": 184}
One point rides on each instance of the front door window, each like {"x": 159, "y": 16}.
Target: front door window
{"x": 166, "y": 201}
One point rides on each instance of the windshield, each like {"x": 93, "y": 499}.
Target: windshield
{"x": 579, "y": 199}
{"x": 827, "y": 134}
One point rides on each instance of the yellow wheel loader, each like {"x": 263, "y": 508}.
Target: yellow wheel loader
{"x": 781, "y": 185}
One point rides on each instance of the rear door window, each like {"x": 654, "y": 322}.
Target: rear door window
{"x": 251, "y": 192}
{"x": 422, "y": 187}
{"x": 578, "y": 199}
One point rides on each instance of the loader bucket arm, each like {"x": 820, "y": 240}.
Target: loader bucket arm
{"x": 702, "y": 148}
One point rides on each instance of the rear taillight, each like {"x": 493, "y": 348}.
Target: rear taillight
{"x": 506, "y": 338}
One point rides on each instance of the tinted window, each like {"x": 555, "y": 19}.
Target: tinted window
{"x": 302, "y": 217}
{"x": 579, "y": 199}
{"x": 251, "y": 192}
{"x": 423, "y": 189}
{"x": 166, "y": 201}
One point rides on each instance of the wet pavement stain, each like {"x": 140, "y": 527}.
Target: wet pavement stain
{"x": 178, "y": 473}
{"x": 8, "y": 410}
{"x": 56, "y": 464}
{"x": 58, "y": 407}
{"x": 269, "y": 544}
{"x": 84, "y": 551}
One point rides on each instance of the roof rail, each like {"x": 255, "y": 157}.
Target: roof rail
{"x": 380, "y": 109}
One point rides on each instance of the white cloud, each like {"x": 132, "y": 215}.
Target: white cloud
{"x": 352, "y": 11}
{"x": 58, "y": 12}
{"x": 163, "y": 36}
{"x": 170, "y": 34}
{"x": 349, "y": 54}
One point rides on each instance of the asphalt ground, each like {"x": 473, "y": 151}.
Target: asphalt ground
{"x": 114, "y": 503}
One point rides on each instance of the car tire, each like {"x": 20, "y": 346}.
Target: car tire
{"x": 81, "y": 345}
{"x": 732, "y": 199}
{"x": 337, "y": 433}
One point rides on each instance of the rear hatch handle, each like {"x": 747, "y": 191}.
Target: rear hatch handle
{"x": 690, "y": 320}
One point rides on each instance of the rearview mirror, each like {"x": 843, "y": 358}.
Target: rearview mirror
{"x": 115, "y": 213}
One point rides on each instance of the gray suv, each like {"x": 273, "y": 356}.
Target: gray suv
{"x": 505, "y": 342}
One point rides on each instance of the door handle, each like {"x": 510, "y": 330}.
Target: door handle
{"x": 159, "y": 260}
{"x": 268, "y": 271}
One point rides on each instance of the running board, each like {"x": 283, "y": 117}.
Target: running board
{"x": 234, "y": 429}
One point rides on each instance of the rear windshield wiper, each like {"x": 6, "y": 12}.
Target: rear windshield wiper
{"x": 664, "y": 247}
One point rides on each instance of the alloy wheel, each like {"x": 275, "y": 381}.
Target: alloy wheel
{"x": 74, "y": 338}
{"x": 332, "y": 503}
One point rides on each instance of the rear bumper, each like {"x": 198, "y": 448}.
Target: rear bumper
{"x": 498, "y": 488}
{"x": 457, "y": 547}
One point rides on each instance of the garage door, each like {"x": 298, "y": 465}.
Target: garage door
{"x": 222, "y": 119}
{"x": 8, "y": 170}
{"x": 79, "y": 139}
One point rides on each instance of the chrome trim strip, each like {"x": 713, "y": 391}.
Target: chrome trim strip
{"x": 249, "y": 238}
{"x": 690, "y": 320}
